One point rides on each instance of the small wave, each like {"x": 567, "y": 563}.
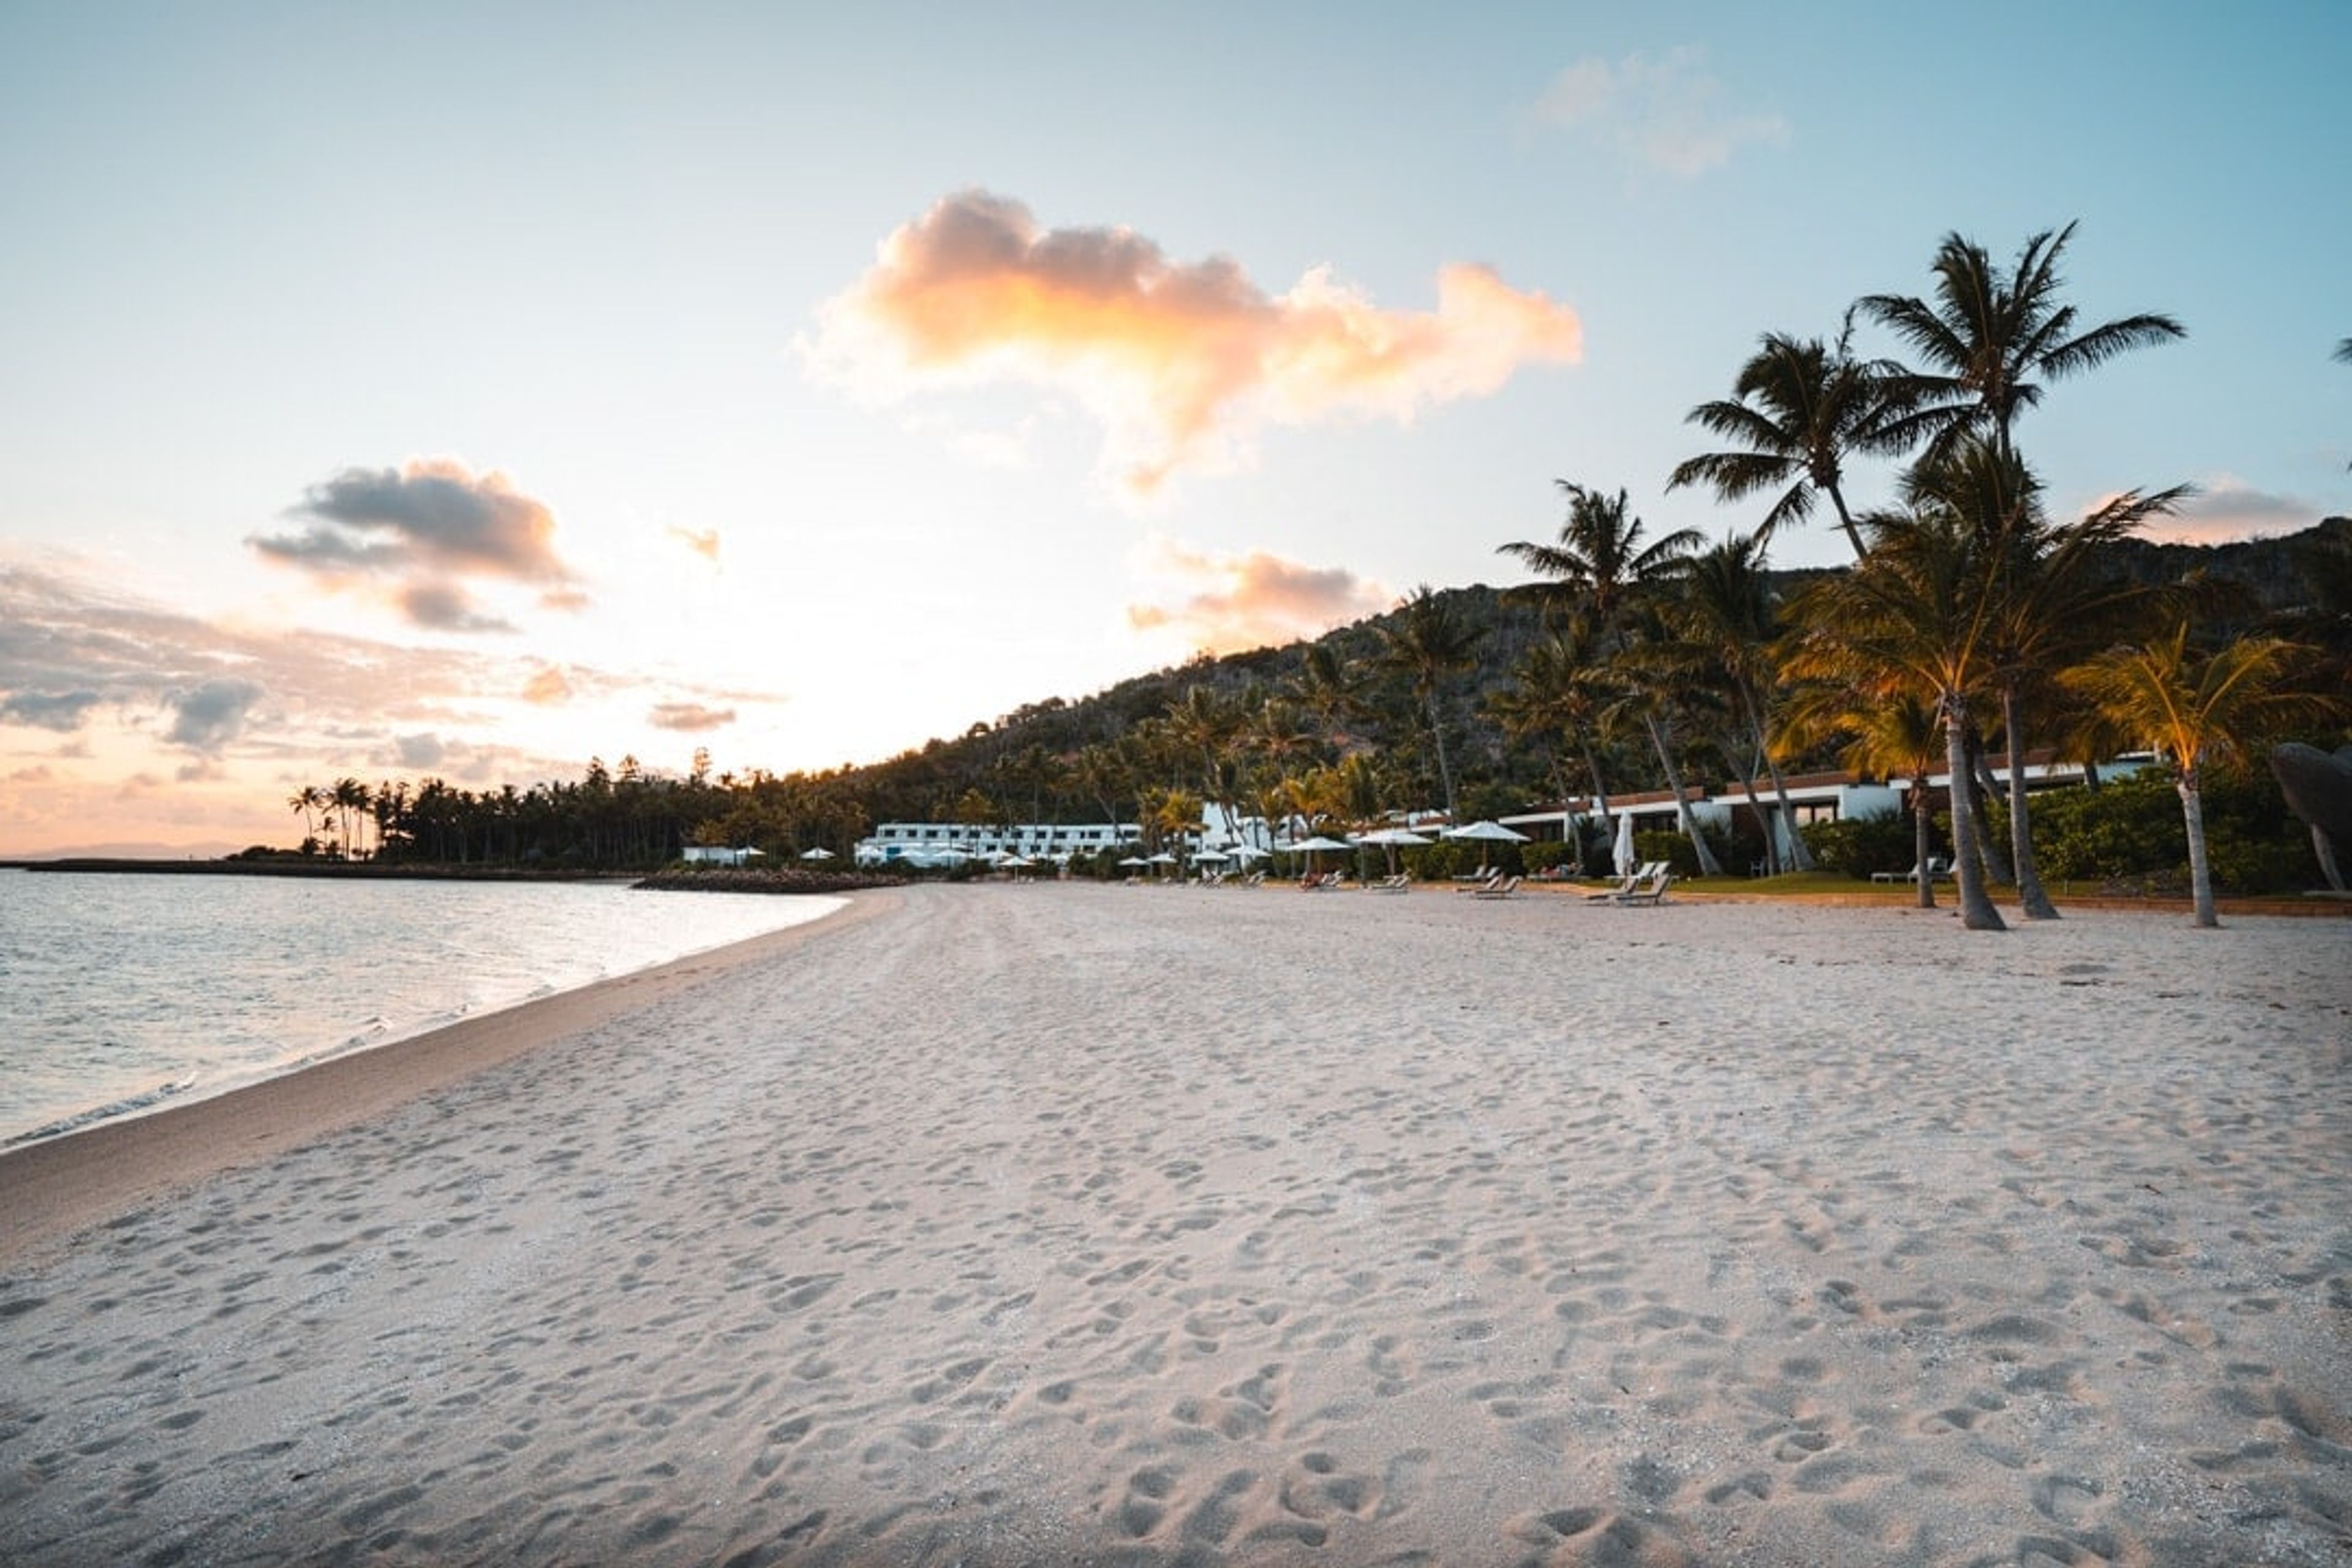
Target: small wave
{"x": 130, "y": 1106}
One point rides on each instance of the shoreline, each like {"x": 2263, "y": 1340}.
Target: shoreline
{"x": 60, "y": 1185}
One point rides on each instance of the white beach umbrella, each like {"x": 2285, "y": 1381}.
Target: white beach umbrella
{"x": 1621, "y": 857}
{"x": 1391, "y": 839}
{"x": 1134, "y": 860}
{"x": 1246, "y": 852}
{"x": 819, "y": 853}
{"x": 1312, "y": 846}
{"x": 1485, "y": 833}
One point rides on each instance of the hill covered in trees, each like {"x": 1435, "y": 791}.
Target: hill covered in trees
{"x": 1343, "y": 727}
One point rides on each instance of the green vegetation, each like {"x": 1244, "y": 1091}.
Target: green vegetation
{"x": 1971, "y": 622}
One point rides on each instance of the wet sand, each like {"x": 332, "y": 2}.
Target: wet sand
{"x": 1043, "y": 1223}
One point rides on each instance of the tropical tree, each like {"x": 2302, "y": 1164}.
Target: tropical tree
{"x": 1558, "y": 691}
{"x": 1890, "y": 733}
{"x": 310, "y": 800}
{"x": 2195, "y": 708}
{"x": 1426, "y": 641}
{"x": 1798, "y": 411}
{"x": 1725, "y": 612}
{"x": 1602, "y": 577}
{"x": 1914, "y": 616}
{"x": 1987, "y": 338}
{"x": 2050, "y": 600}
{"x": 349, "y": 798}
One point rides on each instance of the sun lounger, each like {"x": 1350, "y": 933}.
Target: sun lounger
{"x": 1627, "y": 883}
{"x": 1938, "y": 867}
{"x": 1651, "y": 890}
{"x": 1502, "y": 889}
{"x": 1396, "y": 884}
{"x": 1478, "y": 884}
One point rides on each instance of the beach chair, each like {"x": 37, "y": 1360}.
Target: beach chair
{"x": 1396, "y": 884}
{"x": 1625, "y": 884}
{"x": 1937, "y": 867}
{"x": 1502, "y": 887}
{"x": 1475, "y": 884}
{"x": 1651, "y": 889}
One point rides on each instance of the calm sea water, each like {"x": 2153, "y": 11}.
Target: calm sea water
{"x": 121, "y": 992}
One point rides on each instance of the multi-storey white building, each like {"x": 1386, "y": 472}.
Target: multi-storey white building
{"x": 945, "y": 843}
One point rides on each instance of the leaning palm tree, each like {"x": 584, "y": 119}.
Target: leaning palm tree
{"x": 1725, "y": 612}
{"x": 1425, "y": 641}
{"x": 2053, "y": 601}
{"x": 2195, "y": 708}
{"x": 1797, "y": 411}
{"x": 1988, "y": 338}
{"x": 1916, "y": 615}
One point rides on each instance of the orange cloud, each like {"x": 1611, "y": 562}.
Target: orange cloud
{"x": 703, "y": 542}
{"x": 1180, "y": 361}
{"x": 1258, "y": 600}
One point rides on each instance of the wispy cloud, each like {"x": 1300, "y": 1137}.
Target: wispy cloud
{"x": 702, "y": 541}
{"x": 423, "y": 534}
{"x": 1181, "y": 362}
{"x": 1225, "y": 604}
{"x": 1666, "y": 113}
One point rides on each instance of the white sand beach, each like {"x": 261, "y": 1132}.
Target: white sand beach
{"x": 1049, "y": 1224}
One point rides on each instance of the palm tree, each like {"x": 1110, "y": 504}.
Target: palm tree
{"x": 2050, "y": 601}
{"x": 309, "y": 800}
{"x": 1892, "y": 735}
{"x": 1602, "y": 578}
{"x": 349, "y": 798}
{"x": 1600, "y": 569}
{"x": 1914, "y": 616}
{"x": 1798, "y": 410}
{"x": 1425, "y": 641}
{"x": 2193, "y": 708}
{"x": 1988, "y": 334}
{"x": 1558, "y": 689}
{"x": 1724, "y": 610}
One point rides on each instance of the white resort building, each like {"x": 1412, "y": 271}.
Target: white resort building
{"x": 950, "y": 843}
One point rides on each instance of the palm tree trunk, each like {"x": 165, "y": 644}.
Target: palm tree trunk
{"x": 1976, "y": 912}
{"x": 2201, "y": 872}
{"x": 1845, "y": 522}
{"x": 1444, "y": 768}
{"x": 1799, "y": 857}
{"x": 1772, "y": 849}
{"x": 2029, "y": 892}
{"x": 1922, "y": 836}
{"x": 1708, "y": 864}
{"x": 1982, "y": 786}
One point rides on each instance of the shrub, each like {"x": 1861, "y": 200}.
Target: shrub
{"x": 1859, "y": 846}
{"x": 2128, "y": 834}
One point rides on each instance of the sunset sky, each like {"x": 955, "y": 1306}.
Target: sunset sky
{"x": 469, "y": 390}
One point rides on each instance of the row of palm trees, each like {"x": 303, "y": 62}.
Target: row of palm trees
{"x": 607, "y": 819}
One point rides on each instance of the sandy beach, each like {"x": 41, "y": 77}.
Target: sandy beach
{"x": 1024, "y": 1224}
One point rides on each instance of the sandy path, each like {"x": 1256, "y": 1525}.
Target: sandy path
{"x": 1023, "y": 1224}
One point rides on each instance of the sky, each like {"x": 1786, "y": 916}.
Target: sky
{"x": 469, "y": 391}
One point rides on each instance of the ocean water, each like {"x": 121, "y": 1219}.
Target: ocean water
{"x": 121, "y": 993}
